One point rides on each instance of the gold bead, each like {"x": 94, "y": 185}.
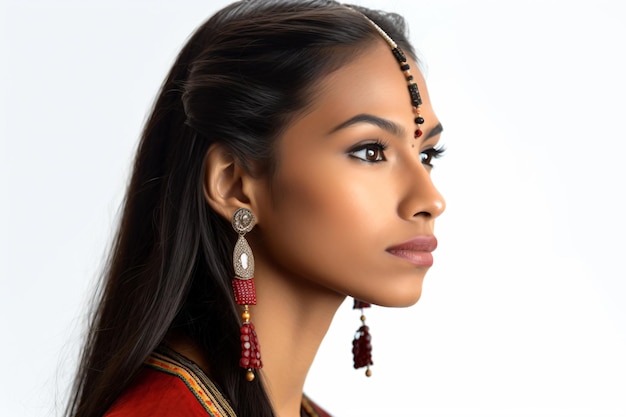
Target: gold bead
{"x": 363, "y": 318}
{"x": 368, "y": 373}
{"x": 245, "y": 316}
{"x": 250, "y": 375}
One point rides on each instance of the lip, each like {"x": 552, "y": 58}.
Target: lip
{"x": 417, "y": 250}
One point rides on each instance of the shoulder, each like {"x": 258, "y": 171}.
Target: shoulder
{"x": 157, "y": 394}
{"x": 171, "y": 385}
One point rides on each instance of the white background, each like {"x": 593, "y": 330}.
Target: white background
{"x": 524, "y": 312}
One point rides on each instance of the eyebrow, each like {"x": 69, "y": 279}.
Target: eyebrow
{"x": 385, "y": 124}
{"x": 434, "y": 131}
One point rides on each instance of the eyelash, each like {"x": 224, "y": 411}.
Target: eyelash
{"x": 432, "y": 153}
{"x": 379, "y": 146}
{"x": 427, "y": 155}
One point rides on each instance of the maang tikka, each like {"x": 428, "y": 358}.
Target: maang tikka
{"x": 362, "y": 343}
{"x": 414, "y": 93}
{"x": 245, "y": 293}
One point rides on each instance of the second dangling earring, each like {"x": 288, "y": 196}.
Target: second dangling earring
{"x": 245, "y": 293}
{"x": 362, "y": 343}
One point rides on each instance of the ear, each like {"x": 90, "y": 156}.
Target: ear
{"x": 227, "y": 185}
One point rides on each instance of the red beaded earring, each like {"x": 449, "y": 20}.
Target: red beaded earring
{"x": 245, "y": 293}
{"x": 362, "y": 343}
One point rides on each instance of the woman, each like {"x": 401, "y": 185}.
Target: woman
{"x": 286, "y": 160}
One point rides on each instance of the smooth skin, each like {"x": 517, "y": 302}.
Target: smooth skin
{"x": 327, "y": 217}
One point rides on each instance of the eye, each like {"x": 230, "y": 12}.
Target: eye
{"x": 369, "y": 152}
{"x": 429, "y": 155}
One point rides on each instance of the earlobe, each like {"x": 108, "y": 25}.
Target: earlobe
{"x": 225, "y": 181}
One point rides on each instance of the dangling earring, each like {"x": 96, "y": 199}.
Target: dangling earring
{"x": 245, "y": 293}
{"x": 362, "y": 343}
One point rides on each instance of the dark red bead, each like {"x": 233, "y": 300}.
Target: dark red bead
{"x": 418, "y": 133}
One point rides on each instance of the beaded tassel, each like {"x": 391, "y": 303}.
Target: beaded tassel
{"x": 245, "y": 292}
{"x": 362, "y": 343}
{"x": 416, "y": 99}
{"x": 250, "y": 353}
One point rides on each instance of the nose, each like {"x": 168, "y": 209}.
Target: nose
{"x": 422, "y": 199}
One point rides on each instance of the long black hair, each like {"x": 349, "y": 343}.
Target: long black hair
{"x": 239, "y": 80}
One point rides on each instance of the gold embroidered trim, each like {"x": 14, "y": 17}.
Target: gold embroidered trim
{"x": 168, "y": 361}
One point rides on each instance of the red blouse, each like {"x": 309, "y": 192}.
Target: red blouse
{"x": 170, "y": 385}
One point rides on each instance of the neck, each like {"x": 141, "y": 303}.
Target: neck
{"x": 291, "y": 319}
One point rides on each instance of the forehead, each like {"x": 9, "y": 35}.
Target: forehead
{"x": 370, "y": 83}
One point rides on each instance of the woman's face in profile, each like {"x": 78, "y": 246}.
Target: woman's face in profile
{"x": 351, "y": 208}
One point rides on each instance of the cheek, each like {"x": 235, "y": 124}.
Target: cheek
{"x": 327, "y": 227}
{"x": 333, "y": 197}
{"x": 329, "y": 201}
{"x": 321, "y": 208}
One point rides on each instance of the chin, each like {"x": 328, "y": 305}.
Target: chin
{"x": 405, "y": 300}
{"x": 396, "y": 295}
